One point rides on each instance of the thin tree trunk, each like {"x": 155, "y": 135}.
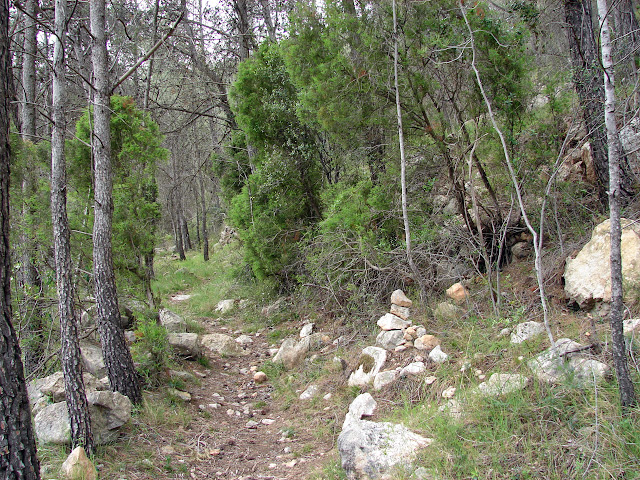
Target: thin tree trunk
{"x": 537, "y": 238}
{"x": 117, "y": 358}
{"x": 627, "y": 394}
{"x": 29, "y": 72}
{"x": 147, "y": 89}
{"x": 77, "y": 405}
{"x": 18, "y": 456}
{"x": 205, "y": 232}
{"x": 403, "y": 162}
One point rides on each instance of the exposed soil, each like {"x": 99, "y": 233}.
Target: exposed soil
{"x": 237, "y": 430}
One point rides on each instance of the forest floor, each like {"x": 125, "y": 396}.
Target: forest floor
{"x": 233, "y": 428}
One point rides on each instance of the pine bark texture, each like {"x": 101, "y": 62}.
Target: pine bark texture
{"x": 627, "y": 394}
{"x": 117, "y": 358}
{"x": 18, "y": 457}
{"x": 77, "y": 405}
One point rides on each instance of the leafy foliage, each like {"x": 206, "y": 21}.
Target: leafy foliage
{"x": 136, "y": 149}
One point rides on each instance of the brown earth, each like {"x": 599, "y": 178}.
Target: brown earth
{"x": 231, "y": 429}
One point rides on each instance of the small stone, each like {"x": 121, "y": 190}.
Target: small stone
{"x": 260, "y": 377}
{"x": 426, "y": 342}
{"x": 390, "y": 339}
{"x": 252, "y": 424}
{"x": 505, "y": 332}
{"x": 384, "y": 378}
{"x": 458, "y": 293}
{"x": 399, "y": 298}
{"x": 306, "y": 330}
{"x": 430, "y": 380}
{"x": 77, "y": 466}
{"x": 526, "y": 331}
{"x": 449, "y": 392}
{"x": 214, "y": 452}
{"x": 482, "y": 377}
{"x": 267, "y": 421}
{"x": 310, "y": 392}
{"x": 437, "y": 355}
{"x": 184, "y": 396}
{"x": 400, "y": 348}
{"x": 420, "y": 331}
{"x": 415, "y": 368}
{"x": 231, "y": 412}
{"x": 291, "y": 464}
{"x": 390, "y": 321}
{"x": 412, "y": 332}
{"x": 244, "y": 340}
{"x": 168, "y": 450}
{"x": 402, "y": 312}
{"x": 327, "y": 396}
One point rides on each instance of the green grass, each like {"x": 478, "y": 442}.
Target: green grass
{"x": 208, "y": 282}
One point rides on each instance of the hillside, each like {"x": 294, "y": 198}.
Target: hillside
{"x": 234, "y": 427}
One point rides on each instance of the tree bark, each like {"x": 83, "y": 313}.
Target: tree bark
{"x": 625, "y": 385}
{"x": 77, "y": 405}
{"x": 18, "y": 456}
{"x": 117, "y": 358}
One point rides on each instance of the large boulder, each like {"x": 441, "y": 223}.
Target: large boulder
{"x": 109, "y": 411}
{"x": 588, "y": 276}
{"x": 371, "y": 450}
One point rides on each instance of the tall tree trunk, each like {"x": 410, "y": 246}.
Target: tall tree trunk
{"x": 403, "y": 162}
{"x": 117, "y": 358}
{"x": 627, "y": 394}
{"x": 69, "y": 347}
{"x": 18, "y": 456}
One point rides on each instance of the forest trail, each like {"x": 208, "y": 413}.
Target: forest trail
{"x": 237, "y": 431}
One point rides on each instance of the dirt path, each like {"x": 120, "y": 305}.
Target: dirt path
{"x": 236, "y": 429}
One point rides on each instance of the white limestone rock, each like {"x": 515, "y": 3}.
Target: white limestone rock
{"x": 588, "y": 275}
{"x": 526, "y": 331}
{"x": 390, "y": 321}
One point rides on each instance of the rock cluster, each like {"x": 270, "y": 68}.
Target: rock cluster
{"x": 109, "y": 410}
{"x": 397, "y": 332}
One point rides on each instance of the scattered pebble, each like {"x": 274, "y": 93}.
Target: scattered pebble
{"x": 291, "y": 464}
{"x": 449, "y": 392}
{"x": 430, "y": 380}
{"x": 259, "y": 377}
{"x": 267, "y": 421}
